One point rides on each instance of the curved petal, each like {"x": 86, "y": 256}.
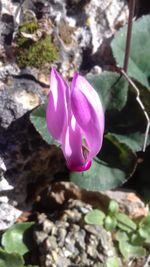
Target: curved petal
{"x": 57, "y": 113}
{"x": 88, "y": 111}
{"x": 72, "y": 148}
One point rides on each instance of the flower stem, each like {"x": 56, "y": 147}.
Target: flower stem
{"x": 129, "y": 33}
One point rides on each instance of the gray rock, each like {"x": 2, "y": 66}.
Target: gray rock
{"x": 62, "y": 232}
{"x": 51, "y": 243}
{"x": 19, "y": 141}
{"x": 8, "y": 70}
{"x": 10, "y": 110}
{"x": 6, "y": 29}
{"x": 47, "y": 226}
{"x": 79, "y": 27}
{"x": 41, "y": 236}
{"x": 83, "y": 245}
{"x": 8, "y": 213}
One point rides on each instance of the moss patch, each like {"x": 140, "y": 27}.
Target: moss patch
{"x": 28, "y": 27}
{"x": 37, "y": 54}
{"x": 34, "y": 53}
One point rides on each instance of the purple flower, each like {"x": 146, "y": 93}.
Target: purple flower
{"x": 75, "y": 118}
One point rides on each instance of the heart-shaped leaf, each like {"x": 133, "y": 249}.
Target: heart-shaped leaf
{"x": 129, "y": 125}
{"x": 123, "y": 116}
{"x": 133, "y": 140}
{"x": 13, "y": 238}
{"x": 38, "y": 118}
{"x": 139, "y": 59}
{"x": 117, "y": 162}
{"x": 112, "y": 89}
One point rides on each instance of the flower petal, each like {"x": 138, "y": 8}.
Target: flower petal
{"x": 57, "y": 112}
{"x": 72, "y": 148}
{"x": 88, "y": 111}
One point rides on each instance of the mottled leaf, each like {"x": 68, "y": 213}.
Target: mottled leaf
{"x": 139, "y": 59}
{"x": 112, "y": 89}
{"x": 38, "y": 118}
{"x": 114, "y": 166}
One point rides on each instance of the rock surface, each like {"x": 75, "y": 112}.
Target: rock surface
{"x": 65, "y": 240}
{"x": 60, "y": 192}
{"x": 26, "y": 159}
{"x": 81, "y": 30}
{"x": 78, "y": 29}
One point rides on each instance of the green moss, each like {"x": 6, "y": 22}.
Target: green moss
{"x": 31, "y": 53}
{"x": 38, "y": 53}
{"x": 28, "y": 27}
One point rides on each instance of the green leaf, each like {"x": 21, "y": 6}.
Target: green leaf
{"x": 112, "y": 262}
{"x": 131, "y": 122}
{"x": 130, "y": 119}
{"x": 134, "y": 141}
{"x": 13, "y": 238}
{"x": 125, "y": 223}
{"x": 95, "y": 217}
{"x": 113, "y": 207}
{"x": 10, "y": 259}
{"x": 116, "y": 164}
{"x": 144, "y": 96}
{"x": 137, "y": 240}
{"x": 38, "y": 119}
{"x": 121, "y": 236}
{"x": 123, "y": 115}
{"x": 111, "y": 88}
{"x": 128, "y": 250}
{"x": 144, "y": 228}
{"x": 110, "y": 223}
{"x": 139, "y": 60}
{"x": 99, "y": 177}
